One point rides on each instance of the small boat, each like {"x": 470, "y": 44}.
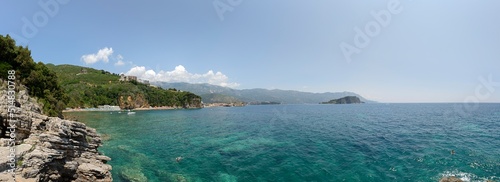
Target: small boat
{"x": 130, "y": 113}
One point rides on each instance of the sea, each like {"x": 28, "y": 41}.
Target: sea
{"x": 354, "y": 142}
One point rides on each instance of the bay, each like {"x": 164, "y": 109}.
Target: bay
{"x": 360, "y": 142}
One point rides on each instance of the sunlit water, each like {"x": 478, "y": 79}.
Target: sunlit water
{"x": 363, "y": 142}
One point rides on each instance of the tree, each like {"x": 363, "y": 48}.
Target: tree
{"x": 40, "y": 81}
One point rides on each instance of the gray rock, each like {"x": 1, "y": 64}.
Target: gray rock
{"x": 50, "y": 148}
{"x": 450, "y": 179}
{"x": 5, "y": 153}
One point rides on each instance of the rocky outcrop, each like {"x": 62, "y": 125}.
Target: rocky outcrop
{"x": 193, "y": 103}
{"x": 131, "y": 102}
{"x": 49, "y": 148}
{"x": 450, "y": 179}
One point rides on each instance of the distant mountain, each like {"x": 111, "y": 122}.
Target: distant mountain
{"x": 219, "y": 98}
{"x": 261, "y": 95}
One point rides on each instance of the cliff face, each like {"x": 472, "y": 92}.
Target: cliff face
{"x": 187, "y": 101}
{"x": 193, "y": 103}
{"x": 49, "y": 148}
{"x": 129, "y": 102}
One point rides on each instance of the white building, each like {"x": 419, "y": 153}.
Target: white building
{"x": 108, "y": 108}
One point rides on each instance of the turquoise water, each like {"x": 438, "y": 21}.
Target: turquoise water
{"x": 364, "y": 142}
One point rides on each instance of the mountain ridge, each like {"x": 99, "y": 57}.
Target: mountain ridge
{"x": 260, "y": 94}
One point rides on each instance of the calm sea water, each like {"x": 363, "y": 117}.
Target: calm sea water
{"x": 366, "y": 142}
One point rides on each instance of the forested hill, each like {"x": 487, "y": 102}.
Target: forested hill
{"x": 87, "y": 87}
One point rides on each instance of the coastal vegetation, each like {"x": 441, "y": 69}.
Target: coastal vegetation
{"x": 40, "y": 81}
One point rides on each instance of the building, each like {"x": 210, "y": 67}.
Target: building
{"x": 130, "y": 78}
{"x": 82, "y": 71}
{"x": 127, "y": 78}
{"x": 108, "y": 108}
{"x": 123, "y": 77}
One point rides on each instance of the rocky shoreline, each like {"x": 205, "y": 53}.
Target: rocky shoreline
{"x": 48, "y": 148}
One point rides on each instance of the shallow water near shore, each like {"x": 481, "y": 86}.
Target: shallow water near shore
{"x": 362, "y": 142}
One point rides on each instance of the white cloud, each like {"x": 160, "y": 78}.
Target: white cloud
{"x": 120, "y": 60}
{"x": 119, "y": 63}
{"x": 102, "y": 55}
{"x": 180, "y": 74}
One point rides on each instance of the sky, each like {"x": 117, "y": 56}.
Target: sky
{"x": 387, "y": 51}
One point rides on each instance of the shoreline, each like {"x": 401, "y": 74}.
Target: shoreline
{"x": 125, "y": 110}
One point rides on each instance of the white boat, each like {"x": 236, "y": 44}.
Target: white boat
{"x": 130, "y": 113}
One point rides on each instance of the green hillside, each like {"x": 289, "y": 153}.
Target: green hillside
{"x": 69, "y": 74}
{"x": 88, "y": 87}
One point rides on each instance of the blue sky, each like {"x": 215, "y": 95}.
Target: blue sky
{"x": 427, "y": 51}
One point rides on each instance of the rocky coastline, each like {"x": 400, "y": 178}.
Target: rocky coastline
{"x": 47, "y": 148}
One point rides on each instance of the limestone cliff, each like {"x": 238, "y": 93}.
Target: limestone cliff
{"x": 49, "y": 148}
{"x": 131, "y": 102}
{"x": 193, "y": 103}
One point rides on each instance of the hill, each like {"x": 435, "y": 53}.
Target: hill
{"x": 345, "y": 100}
{"x": 88, "y": 87}
{"x": 261, "y": 95}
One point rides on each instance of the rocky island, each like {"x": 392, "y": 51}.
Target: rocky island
{"x": 345, "y": 100}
